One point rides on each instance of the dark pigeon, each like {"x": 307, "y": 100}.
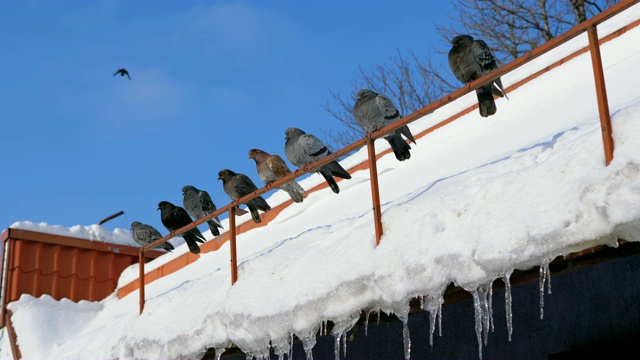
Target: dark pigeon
{"x": 123, "y": 72}
{"x": 470, "y": 59}
{"x": 173, "y": 218}
{"x": 303, "y": 149}
{"x": 144, "y": 234}
{"x": 271, "y": 168}
{"x": 198, "y": 203}
{"x": 373, "y": 112}
{"x": 239, "y": 185}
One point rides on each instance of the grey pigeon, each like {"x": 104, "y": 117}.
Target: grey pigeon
{"x": 198, "y": 203}
{"x": 144, "y": 234}
{"x": 470, "y": 59}
{"x": 373, "y": 112}
{"x": 122, "y": 72}
{"x": 239, "y": 185}
{"x": 303, "y": 149}
{"x": 173, "y": 218}
{"x": 271, "y": 168}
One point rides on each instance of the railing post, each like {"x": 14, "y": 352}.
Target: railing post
{"x": 232, "y": 244}
{"x": 375, "y": 192}
{"x": 141, "y": 277}
{"x": 601, "y": 93}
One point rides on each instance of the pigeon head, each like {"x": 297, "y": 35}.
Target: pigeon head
{"x": 225, "y": 175}
{"x": 135, "y": 223}
{"x": 460, "y": 39}
{"x": 365, "y": 92}
{"x": 293, "y": 132}
{"x": 256, "y": 154}
{"x": 187, "y": 188}
{"x": 165, "y": 205}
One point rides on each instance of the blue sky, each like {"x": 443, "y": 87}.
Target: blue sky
{"x": 210, "y": 81}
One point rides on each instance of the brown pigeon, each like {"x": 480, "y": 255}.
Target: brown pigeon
{"x": 470, "y": 59}
{"x": 304, "y": 149}
{"x": 374, "y": 111}
{"x": 271, "y": 168}
{"x": 122, "y": 73}
{"x": 239, "y": 185}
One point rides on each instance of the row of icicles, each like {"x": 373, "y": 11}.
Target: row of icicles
{"x": 482, "y": 305}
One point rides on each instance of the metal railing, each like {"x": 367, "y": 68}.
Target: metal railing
{"x": 588, "y": 26}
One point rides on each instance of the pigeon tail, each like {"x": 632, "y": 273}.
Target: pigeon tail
{"x": 255, "y": 215}
{"x": 487, "y": 105}
{"x": 294, "y": 192}
{"x": 213, "y": 227}
{"x": 166, "y": 246}
{"x": 407, "y": 133}
{"x": 399, "y": 146}
{"x": 331, "y": 181}
{"x": 191, "y": 243}
{"x": 336, "y": 170}
{"x": 195, "y": 234}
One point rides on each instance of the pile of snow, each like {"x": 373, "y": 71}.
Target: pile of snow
{"x": 92, "y": 232}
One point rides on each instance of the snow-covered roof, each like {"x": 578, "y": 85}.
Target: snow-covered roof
{"x": 479, "y": 198}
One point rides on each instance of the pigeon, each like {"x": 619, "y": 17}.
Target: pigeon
{"x": 271, "y": 168}
{"x": 239, "y": 185}
{"x": 173, "y": 218}
{"x": 469, "y": 59}
{"x": 122, "y": 73}
{"x": 144, "y": 234}
{"x": 198, "y": 203}
{"x": 303, "y": 149}
{"x": 374, "y": 111}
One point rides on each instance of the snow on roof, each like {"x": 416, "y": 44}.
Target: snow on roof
{"x": 479, "y": 198}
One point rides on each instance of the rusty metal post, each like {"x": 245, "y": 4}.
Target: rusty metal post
{"x": 141, "y": 287}
{"x": 375, "y": 191}
{"x": 232, "y": 244}
{"x": 601, "y": 93}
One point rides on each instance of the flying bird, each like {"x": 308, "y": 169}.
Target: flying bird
{"x": 303, "y": 149}
{"x": 469, "y": 59}
{"x": 144, "y": 234}
{"x": 374, "y": 111}
{"x": 239, "y": 185}
{"x": 173, "y": 218}
{"x": 122, "y": 73}
{"x": 198, "y": 203}
{"x": 271, "y": 168}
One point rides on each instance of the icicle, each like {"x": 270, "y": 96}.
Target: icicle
{"x": 336, "y": 348}
{"x": 544, "y": 276}
{"x": 440, "y": 319}
{"x": 366, "y": 322}
{"x": 344, "y": 344}
{"x": 433, "y": 317}
{"x": 406, "y": 337}
{"x": 307, "y": 343}
{"x": 422, "y": 302}
{"x": 248, "y": 356}
{"x": 219, "y": 352}
{"x": 481, "y": 304}
{"x": 490, "y": 306}
{"x": 433, "y": 304}
{"x": 507, "y": 303}
{"x": 290, "y": 353}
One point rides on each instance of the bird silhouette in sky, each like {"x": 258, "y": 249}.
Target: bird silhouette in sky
{"x": 122, "y": 73}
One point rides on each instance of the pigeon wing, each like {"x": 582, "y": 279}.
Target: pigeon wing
{"x": 312, "y": 146}
{"x": 278, "y": 166}
{"x": 386, "y": 107}
{"x": 484, "y": 57}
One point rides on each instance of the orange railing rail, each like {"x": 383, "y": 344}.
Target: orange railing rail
{"x": 588, "y": 26}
